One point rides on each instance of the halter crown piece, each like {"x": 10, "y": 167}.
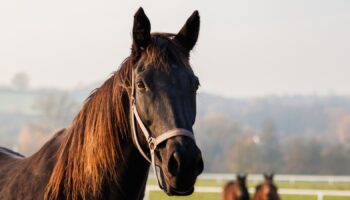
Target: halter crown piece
{"x": 153, "y": 142}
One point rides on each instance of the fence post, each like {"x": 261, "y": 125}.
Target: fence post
{"x": 319, "y": 196}
{"x": 330, "y": 181}
{"x": 147, "y": 194}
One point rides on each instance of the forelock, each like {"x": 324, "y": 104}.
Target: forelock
{"x": 163, "y": 53}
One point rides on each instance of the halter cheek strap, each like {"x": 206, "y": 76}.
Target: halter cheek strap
{"x": 153, "y": 142}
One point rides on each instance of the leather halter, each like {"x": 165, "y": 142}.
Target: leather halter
{"x": 153, "y": 142}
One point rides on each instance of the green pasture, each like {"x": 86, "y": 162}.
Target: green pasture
{"x": 216, "y": 196}
{"x": 155, "y": 195}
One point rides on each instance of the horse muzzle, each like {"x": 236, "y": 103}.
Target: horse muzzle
{"x": 180, "y": 162}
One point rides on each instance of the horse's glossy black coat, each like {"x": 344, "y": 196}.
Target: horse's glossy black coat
{"x": 95, "y": 157}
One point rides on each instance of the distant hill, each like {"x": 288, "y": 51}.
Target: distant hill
{"x": 250, "y": 134}
{"x": 302, "y": 115}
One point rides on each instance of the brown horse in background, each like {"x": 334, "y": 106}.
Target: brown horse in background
{"x": 236, "y": 190}
{"x": 267, "y": 190}
{"x": 104, "y": 154}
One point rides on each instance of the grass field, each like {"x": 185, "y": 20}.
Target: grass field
{"x": 216, "y": 196}
{"x": 281, "y": 184}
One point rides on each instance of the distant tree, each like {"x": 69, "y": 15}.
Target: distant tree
{"x": 245, "y": 154}
{"x": 55, "y": 111}
{"x": 271, "y": 154}
{"x": 302, "y": 156}
{"x": 256, "y": 151}
{"x": 215, "y": 134}
{"x": 335, "y": 160}
{"x": 343, "y": 130}
{"x": 20, "y": 81}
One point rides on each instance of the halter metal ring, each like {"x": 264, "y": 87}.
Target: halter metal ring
{"x": 151, "y": 144}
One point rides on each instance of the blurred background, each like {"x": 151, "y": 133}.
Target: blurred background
{"x": 274, "y": 75}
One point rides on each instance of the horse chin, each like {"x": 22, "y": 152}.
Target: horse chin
{"x": 174, "y": 192}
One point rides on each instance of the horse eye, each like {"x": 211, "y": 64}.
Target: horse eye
{"x": 140, "y": 84}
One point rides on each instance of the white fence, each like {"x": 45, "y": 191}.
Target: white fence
{"x": 258, "y": 177}
{"x": 279, "y": 177}
{"x": 319, "y": 193}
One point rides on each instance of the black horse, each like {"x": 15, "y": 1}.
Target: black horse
{"x": 104, "y": 153}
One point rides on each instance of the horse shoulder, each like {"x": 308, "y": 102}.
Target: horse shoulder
{"x": 237, "y": 191}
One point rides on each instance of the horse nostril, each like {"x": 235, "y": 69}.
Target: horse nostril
{"x": 174, "y": 164}
{"x": 199, "y": 166}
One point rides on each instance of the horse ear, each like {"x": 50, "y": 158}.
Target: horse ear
{"x": 141, "y": 31}
{"x": 188, "y": 35}
{"x": 238, "y": 176}
{"x": 244, "y": 176}
{"x": 266, "y": 176}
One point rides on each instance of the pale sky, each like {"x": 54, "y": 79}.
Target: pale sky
{"x": 245, "y": 48}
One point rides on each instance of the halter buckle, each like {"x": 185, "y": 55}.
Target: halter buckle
{"x": 151, "y": 143}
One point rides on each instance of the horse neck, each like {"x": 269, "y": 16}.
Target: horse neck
{"x": 98, "y": 158}
{"x": 244, "y": 191}
{"x": 131, "y": 180}
{"x": 259, "y": 193}
{"x": 132, "y": 167}
{"x": 131, "y": 170}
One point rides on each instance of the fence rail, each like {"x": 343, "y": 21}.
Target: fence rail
{"x": 278, "y": 177}
{"x": 319, "y": 193}
{"x": 281, "y": 177}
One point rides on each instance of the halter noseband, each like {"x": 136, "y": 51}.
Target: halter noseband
{"x": 153, "y": 142}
